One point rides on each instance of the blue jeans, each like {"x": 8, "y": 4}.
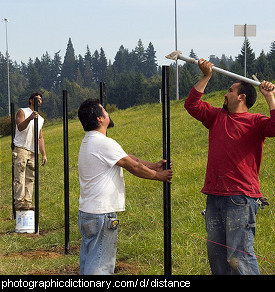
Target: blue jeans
{"x": 231, "y": 221}
{"x": 98, "y": 245}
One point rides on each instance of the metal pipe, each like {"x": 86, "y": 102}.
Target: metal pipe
{"x": 36, "y": 175}
{"x": 8, "y": 63}
{"x": 166, "y": 156}
{"x": 177, "y": 55}
{"x": 66, "y": 172}
{"x": 12, "y": 146}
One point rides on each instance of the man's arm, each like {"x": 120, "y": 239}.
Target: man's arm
{"x": 198, "y": 109}
{"x": 42, "y": 148}
{"x": 20, "y": 120}
{"x": 155, "y": 166}
{"x": 268, "y": 90}
{"x": 139, "y": 169}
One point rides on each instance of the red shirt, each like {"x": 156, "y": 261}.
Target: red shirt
{"x": 235, "y": 147}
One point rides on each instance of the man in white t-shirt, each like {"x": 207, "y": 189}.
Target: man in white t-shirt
{"x": 102, "y": 189}
{"x": 23, "y": 153}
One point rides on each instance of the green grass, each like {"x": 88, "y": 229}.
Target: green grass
{"x": 140, "y": 242}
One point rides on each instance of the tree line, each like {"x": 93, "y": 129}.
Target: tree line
{"x": 133, "y": 78}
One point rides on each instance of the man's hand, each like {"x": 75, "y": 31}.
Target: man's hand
{"x": 33, "y": 115}
{"x": 137, "y": 168}
{"x": 268, "y": 90}
{"x": 164, "y": 175}
{"x": 44, "y": 160}
{"x": 206, "y": 67}
{"x": 159, "y": 165}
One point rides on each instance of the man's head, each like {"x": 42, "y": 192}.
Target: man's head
{"x": 92, "y": 115}
{"x": 240, "y": 95}
{"x": 39, "y": 98}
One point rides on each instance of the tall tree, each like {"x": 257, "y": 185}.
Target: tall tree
{"x": 121, "y": 59}
{"x": 140, "y": 55}
{"x": 102, "y": 65}
{"x": 262, "y": 67}
{"x": 150, "y": 68}
{"x": 69, "y": 67}
{"x": 33, "y": 76}
{"x": 271, "y": 60}
{"x": 56, "y": 70}
{"x": 45, "y": 71}
{"x": 250, "y": 58}
{"x": 95, "y": 66}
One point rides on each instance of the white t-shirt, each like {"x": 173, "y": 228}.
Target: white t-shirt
{"x": 25, "y": 139}
{"x": 102, "y": 188}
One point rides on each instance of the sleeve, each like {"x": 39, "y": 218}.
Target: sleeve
{"x": 268, "y": 125}
{"x": 200, "y": 110}
{"x": 111, "y": 152}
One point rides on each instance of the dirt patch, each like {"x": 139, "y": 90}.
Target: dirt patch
{"x": 64, "y": 271}
{"x": 38, "y": 254}
{"x": 122, "y": 267}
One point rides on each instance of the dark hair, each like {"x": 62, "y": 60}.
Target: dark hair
{"x": 249, "y": 91}
{"x": 33, "y": 95}
{"x": 88, "y": 113}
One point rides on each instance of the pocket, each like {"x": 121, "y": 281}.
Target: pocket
{"x": 239, "y": 200}
{"x": 89, "y": 227}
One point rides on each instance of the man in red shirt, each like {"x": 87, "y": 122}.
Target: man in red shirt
{"x": 236, "y": 140}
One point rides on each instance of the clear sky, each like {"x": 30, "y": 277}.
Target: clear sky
{"x": 206, "y": 26}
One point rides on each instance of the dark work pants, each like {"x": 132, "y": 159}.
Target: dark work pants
{"x": 230, "y": 224}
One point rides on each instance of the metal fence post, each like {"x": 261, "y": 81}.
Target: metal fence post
{"x": 66, "y": 172}
{"x": 166, "y": 156}
{"x": 36, "y": 175}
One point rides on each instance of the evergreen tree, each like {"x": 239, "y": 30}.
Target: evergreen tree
{"x": 250, "y": 59}
{"x": 150, "y": 68}
{"x": 33, "y": 76}
{"x": 95, "y": 66}
{"x": 271, "y": 60}
{"x": 102, "y": 65}
{"x": 56, "y": 70}
{"x": 88, "y": 56}
{"x": 88, "y": 75}
{"x": 140, "y": 56}
{"x": 121, "y": 60}
{"x": 45, "y": 71}
{"x": 69, "y": 67}
{"x": 81, "y": 64}
{"x": 262, "y": 67}
{"x": 193, "y": 55}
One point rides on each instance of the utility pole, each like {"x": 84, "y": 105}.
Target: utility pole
{"x": 8, "y": 67}
{"x": 245, "y": 31}
{"x": 176, "y": 47}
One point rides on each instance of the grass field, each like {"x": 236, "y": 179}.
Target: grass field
{"x": 140, "y": 242}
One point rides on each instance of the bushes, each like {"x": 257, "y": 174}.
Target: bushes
{"x": 5, "y": 126}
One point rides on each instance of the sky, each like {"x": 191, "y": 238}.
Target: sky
{"x": 206, "y": 26}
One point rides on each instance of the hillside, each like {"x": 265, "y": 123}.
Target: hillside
{"x": 140, "y": 242}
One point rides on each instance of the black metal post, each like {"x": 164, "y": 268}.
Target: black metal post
{"x": 66, "y": 172}
{"x": 12, "y": 146}
{"x": 36, "y": 176}
{"x": 166, "y": 156}
{"x": 103, "y": 94}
